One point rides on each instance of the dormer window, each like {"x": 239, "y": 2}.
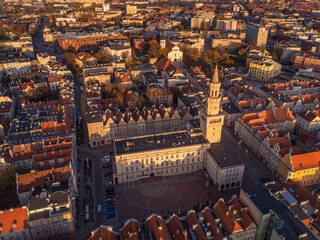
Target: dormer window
{"x": 14, "y": 225}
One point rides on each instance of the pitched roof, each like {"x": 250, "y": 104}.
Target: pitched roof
{"x": 164, "y": 64}
{"x": 130, "y": 230}
{"x": 158, "y": 226}
{"x": 25, "y": 85}
{"x": 36, "y": 179}
{"x": 215, "y": 78}
{"x": 305, "y": 161}
{"x": 13, "y": 219}
{"x": 104, "y": 232}
{"x": 176, "y": 228}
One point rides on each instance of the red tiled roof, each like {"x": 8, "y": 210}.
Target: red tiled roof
{"x": 130, "y": 230}
{"x": 176, "y": 228}
{"x": 55, "y": 79}
{"x": 208, "y": 218}
{"x": 40, "y": 178}
{"x": 193, "y": 223}
{"x": 13, "y": 220}
{"x": 24, "y": 86}
{"x": 164, "y": 64}
{"x": 158, "y": 226}
{"x": 306, "y": 161}
{"x": 104, "y": 232}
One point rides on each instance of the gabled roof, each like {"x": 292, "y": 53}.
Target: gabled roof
{"x": 164, "y": 64}
{"x": 25, "y": 85}
{"x": 158, "y": 226}
{"x": 104, "y": 232}
{"x": 36, "y": 179}
{"x": 13, "y": 220}
{"x": 176, "y": 228}
{"x": 130, "y": 230}
{"x": 305, "y": 161}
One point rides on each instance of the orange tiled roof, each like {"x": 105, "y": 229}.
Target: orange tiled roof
{"x": 25, "y": 85}
{"x": 208, "y": 218}
{"x": 158, "y": 226}
{"x": 193, "y": 223}
{"x": 104, "y": 232}
{"x": 130, "y": 230}
{"x": 305, "y": 161}
{"x": 40, "y": 178}
{"x": 177, "y": 229}
{"x": 13, "y": 220}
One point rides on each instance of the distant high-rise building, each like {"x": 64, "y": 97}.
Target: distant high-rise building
{"x": 257, "y": 34}
{"x": 131, "y": 9}
{"x": 227, "y": 25}
{"x": 106, "y": 7}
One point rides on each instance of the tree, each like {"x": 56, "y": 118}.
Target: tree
{"x": 69, "y": 58}
{"x": 163, "y": 52}
{"x": 133, "y": 53}
{"x": 277, "y": 52}
{"x": 153, "y": 49}
{"x": 124, "y": 55}
{"x": 177, "y": 92}
{"x": 98, "y": 56}
{"x": 214, "y": 56}
{"x": 242, "y": 55}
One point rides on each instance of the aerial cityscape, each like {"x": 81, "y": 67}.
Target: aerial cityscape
{"x": 160, "y": 120}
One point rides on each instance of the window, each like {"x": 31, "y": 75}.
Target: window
{"x": 47, "y": 230}
{"x": 65, "y": 226}
{"x": 57, "y": 228}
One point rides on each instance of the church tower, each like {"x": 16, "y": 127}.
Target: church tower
{"x": 211, "y": 118}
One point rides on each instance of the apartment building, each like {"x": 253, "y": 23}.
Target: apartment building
{"x": 308, "y": 121}
{"x": 104, "y": 128}
{"x": 278, "y": 118}
{"x": 307, "y": 61}
{"x": 26, "y": 183}
{"x": 225, "y": 43}
{"x": 74, "y": 41}
{"x": 14, "y": 224}
{"x": 7, "y": 106}
{"x": 131, "y": 9}
{"x": 303, "y": 168}
{"x": 274, "y": 219}
{"x": 162, "y": 154}
{"x": 202, "y": 20}
{"x": 257, "y": 34}
{"x": 50, "y": 212}
{"x": 273, "y": 148}
{"x": 264, "y": 69}
{"x": 14, "y": 66}
{"x": 235, "y": 219}
{"x": 227, "y": 25}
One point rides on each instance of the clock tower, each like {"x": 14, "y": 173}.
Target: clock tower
{"x": 211, "y": 118}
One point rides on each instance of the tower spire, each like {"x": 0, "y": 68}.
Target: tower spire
{"x": 215, "y": 78}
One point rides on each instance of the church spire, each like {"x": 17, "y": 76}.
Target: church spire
{"x": 215, "y": 78}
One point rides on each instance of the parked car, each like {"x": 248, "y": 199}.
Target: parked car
{"x": 110, "y": 188}
{"x": 105, "y": 160}
{"x": 110, "y": 195}
{"x": 99, "y": 209}
{"x": 108, "y": 183}
{"x": 110, "y": 200}
{"x": 109, "y": 204}
{"x": 106, "y": 174}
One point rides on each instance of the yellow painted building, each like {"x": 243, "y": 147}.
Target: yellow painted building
{"x": 304, "y": 168}
{"x": 264, "y": 69}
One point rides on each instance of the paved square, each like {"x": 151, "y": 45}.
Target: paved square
{"x": 167, "y": 195}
